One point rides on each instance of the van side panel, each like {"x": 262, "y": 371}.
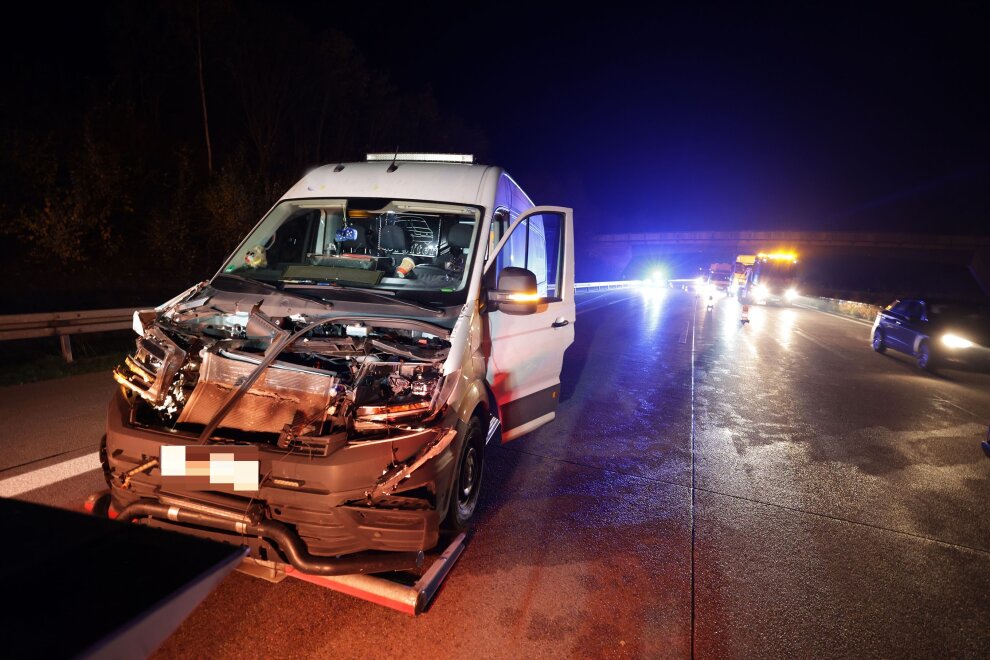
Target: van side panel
{"x": 521, "y": 202}
{"x": 503, "y": 197}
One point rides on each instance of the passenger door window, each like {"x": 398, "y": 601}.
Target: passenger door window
{"x": 914, "y": 311}
{"x": 536, "y": 244}
{"x": 901, "y": 308}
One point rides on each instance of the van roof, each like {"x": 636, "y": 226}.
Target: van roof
{"x": 436, "y": 182}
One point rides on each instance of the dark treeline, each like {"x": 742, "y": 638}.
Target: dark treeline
{"x": 134, "y": 158}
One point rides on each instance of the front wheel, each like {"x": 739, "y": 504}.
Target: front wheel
{"x": 467, "y": 478}
{"x": 878, "y": 343}
{"x": 105, "y": 462}
{"x": 924, "y": 357}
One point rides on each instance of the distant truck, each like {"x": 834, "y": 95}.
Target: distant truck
{"x": 771, "y": 277}
{"x": 740, "y": 271}
{"x": 720, "y": 276}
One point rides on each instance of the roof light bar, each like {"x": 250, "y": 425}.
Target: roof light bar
{"x": 422, "y": 158}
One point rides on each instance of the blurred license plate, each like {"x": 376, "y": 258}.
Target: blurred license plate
{"x": 232, "y": 469}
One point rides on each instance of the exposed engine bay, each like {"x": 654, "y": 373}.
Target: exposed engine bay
{"x": 341, "y": 381}
{"x": 348, "y": 418}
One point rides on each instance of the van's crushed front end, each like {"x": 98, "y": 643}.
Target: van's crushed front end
{"x": 318, "y": 440}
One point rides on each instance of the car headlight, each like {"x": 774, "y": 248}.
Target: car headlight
{"x": 791, "y": 294}
{"x": 762, "y": 290}
{"x": 955, "y": 341}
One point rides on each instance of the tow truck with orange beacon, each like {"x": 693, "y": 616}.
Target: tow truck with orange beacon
{"x": 770, "y": 278}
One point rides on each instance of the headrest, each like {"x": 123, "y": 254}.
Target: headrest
{"x": 393, "y": 237}
{"x": 459, "y": 236}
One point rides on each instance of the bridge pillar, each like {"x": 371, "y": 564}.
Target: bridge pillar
{"x": 979, "y": 266}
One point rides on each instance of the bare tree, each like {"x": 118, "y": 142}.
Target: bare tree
{"x": 202, "y": 91}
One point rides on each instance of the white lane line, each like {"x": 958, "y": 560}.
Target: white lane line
{"x": 968, "y": 412}
{"x": 579, "y": 309}
{"x": 822, "y": 344}
{"x": 22, "y": 483}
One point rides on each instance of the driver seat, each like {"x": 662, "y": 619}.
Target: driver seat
{"x": 458, "y": 241}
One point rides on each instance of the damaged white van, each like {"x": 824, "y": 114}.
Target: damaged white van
{"x": 326, "y": 399}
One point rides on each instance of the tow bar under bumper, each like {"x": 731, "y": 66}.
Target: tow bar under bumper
{"x": 287, "y": 541}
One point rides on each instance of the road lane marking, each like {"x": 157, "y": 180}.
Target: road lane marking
{"x": 22, "y": 483}
{"x": 579, "y": 309}
{"x": 821, "y": 344}
{"x": 42, "y": 459}
{"x": 745, "y": 498}
{"x": 684, "y": 334}
{"x": 694, "y": 489}
{"x": 956, "y": 405}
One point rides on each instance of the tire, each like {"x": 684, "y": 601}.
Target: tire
{"x": 105, "y": 461}
{"x": 466, "y": 484}
{"x": 879, "y": 345}
{"x": 924, "y": 357}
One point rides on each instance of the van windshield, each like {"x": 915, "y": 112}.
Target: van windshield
{"x": 406, "y": 247}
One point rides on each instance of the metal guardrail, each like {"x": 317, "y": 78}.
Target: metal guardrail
{"x": 605, "y": 286}
{"x": 64, "y": 324}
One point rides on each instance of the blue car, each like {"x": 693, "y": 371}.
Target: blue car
{"x": 935, "y": 331}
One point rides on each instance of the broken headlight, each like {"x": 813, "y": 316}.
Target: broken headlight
{"x": 394, "y": 392}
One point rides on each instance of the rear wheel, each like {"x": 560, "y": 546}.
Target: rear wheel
{"x": 467, "y": 478}
{"x": 879, "y": 345}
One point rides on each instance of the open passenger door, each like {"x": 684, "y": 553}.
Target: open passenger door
{"x": 530, "y": 319}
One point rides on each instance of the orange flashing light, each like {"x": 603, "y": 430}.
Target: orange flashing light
{"x": 778, "y": 256}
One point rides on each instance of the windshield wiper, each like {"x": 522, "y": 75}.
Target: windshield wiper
{"x": 293, "y": 294}
{"x": 249, "y": 280}
{"x": 371, "y": 294}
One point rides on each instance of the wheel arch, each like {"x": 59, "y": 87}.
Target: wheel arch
{"x": 920, "y": 339}
{"x": 477, "y": 401}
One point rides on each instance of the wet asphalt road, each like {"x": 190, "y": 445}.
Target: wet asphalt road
{"x": 774, "y": 489}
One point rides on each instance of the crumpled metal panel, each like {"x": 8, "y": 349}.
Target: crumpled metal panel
{"x": 284, "y": 394}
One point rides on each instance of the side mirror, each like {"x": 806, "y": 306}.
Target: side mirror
{"x": 516, "y": 292}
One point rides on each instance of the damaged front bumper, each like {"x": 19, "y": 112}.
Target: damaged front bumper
{"x": 362, "y": 507}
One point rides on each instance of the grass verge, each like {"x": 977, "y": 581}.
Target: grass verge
{"x": 31, "y": 360}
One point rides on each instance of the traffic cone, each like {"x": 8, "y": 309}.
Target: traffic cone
{"x": 745, "y": 314}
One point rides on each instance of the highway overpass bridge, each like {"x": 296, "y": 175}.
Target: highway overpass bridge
{"x": 823, "y": 252}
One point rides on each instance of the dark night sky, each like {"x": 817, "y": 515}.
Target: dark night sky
{"x": 704, "y": 117}
{"x": 682, "y": 118}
